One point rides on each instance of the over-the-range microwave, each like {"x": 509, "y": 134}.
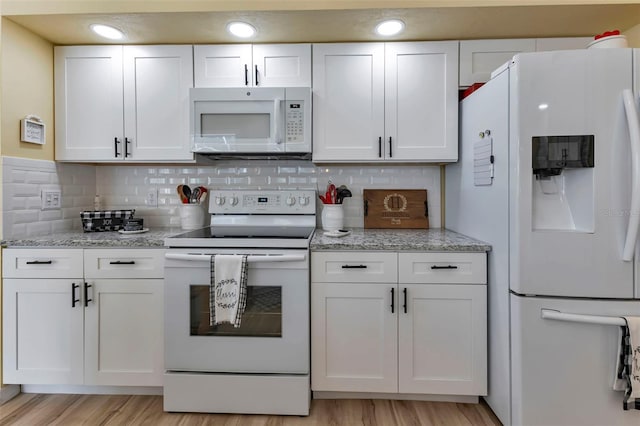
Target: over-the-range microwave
{"x": 261, "y": 120}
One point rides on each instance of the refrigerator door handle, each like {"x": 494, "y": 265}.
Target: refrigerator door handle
{"x": 634, "y": 137}
{"x": 552, "y": 314}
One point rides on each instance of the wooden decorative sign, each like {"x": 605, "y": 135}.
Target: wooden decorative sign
{"x": 396, "y": 208}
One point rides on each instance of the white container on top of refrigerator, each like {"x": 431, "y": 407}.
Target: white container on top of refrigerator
{"x": 555, "y": 204}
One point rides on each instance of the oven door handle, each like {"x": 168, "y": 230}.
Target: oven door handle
{"x": 250, "y": 258}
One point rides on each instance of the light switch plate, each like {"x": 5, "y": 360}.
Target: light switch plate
{"x": 51, "y": 199}
{"x": 152, "y": 198}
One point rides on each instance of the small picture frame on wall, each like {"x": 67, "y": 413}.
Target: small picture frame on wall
{"x": 32, "y": 130}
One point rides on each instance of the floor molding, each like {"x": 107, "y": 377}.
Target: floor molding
{"x": 7, "y": 392}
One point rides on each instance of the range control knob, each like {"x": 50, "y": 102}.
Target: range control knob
{"x": 290, "y": 200}
{"x": 303, "y": 201}
{"x": 233, "y": 200}
{"x": 220, "y": 200}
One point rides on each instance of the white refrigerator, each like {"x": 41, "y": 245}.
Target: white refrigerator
{"x": 549, "y": 175}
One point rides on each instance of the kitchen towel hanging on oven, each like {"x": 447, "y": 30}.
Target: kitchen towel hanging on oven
{"x": 228, "y": 289}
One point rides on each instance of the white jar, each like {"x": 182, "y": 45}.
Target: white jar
{"x": 191, "y": 216}
{"x": 332, "y": 217}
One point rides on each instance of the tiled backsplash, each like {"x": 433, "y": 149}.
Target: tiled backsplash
{"x": 24, "y": 179}
{"x": 126, "y": 186}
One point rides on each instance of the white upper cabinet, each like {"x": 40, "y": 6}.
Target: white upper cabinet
{"x": 282, "y": 65}
{"x": 116, "y": 103}
{"x": 348, "y": 102}
{"x": 562, "y": 43}
{"x": 156, "y": 102}
{"x": 246, "y": 65}
{"x": 222, "y": 65}
{"x": 89, "y": 118}
{"x": 388, "y": 102}
{"x": 478, "y": 58}
{"x": 421, "y": 101}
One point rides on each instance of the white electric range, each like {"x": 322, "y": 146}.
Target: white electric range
{"x": 263, "y": 365}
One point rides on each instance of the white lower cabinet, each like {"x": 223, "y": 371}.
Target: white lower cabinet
{"x": 85, "y": 329}
{"x": 381, "y": 336}
{"x": 123, "y": 333}
{"x": 442, "y": 336}
{"x": 42, "y": 331}
{"x": 354, "y": 338}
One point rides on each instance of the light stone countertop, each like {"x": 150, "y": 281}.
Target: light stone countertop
{"x": 436, "y": 240}
{"x": 153, "y": 238}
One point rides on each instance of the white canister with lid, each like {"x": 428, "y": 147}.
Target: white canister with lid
{"x": 614, "y": 41}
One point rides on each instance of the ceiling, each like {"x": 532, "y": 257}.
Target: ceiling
{"x": 424, "y": 23}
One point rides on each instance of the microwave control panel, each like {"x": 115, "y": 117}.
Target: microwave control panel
{"x": 295, "y": 121}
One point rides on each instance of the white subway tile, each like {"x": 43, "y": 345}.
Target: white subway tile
{"x": 63, "y": 225}
{"x": 49, "y": 215}
{"x": 380, "y": 180}
{"x": 239, "y": 181}
{"x": 39, "y": 229}
{"x": 25, "y": 190}
{"x": 15, "y": 176}
{"x": 30, "y": 203}
{"x": 18, "y": 230}
{"x": 297, "y": 180}
{"x": 38, "y": 177}
{"x": 25, "y": 216}
{"x": 277, "y": 180}
{"x": 257, "y": 180}
{"x": 125, "y": 186}
{"x": 197, "y": 181}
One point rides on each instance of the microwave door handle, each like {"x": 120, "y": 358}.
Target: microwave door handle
{"x": 277, "y": 121}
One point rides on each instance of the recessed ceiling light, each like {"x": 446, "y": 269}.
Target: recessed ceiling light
{"x": 390, "y": 27}
{"x": 107, "y": 32}
{"x": 241, "y": 29}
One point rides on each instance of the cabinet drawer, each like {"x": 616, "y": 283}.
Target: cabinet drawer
{"x": 443, "y": 268}
{"x": 354, "y": 267}
{"x": 124, "y": 263}
{"x": 42, "y": 263}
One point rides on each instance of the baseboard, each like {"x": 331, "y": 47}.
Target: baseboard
{"x": 7, "y": 392}
{"x": 93, "y": 390}
{"x": 396, "y": 396}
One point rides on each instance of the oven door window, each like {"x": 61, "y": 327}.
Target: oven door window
{"x": 262, "y": 316}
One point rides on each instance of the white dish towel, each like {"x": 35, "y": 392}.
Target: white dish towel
{"x": 628, "y": 364}
{"x": 228, "y": 290}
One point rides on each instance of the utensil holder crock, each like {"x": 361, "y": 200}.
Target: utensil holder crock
{"x": 332, "y": 217}
{"x": 191, "y": 216}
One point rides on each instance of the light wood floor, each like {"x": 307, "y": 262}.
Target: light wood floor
{"x": 37, "y": 409}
